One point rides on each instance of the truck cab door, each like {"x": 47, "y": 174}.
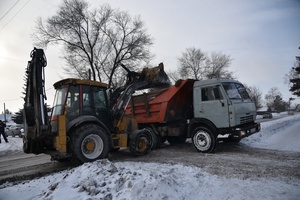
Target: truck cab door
{"x": 210, "y": 104}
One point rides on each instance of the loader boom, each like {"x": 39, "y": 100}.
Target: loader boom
{"x": 35, "y": 111}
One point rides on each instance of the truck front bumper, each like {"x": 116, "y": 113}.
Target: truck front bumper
{"x": 246, "y": 130}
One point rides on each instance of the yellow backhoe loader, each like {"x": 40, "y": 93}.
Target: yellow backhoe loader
{"x": 86, "y": 123}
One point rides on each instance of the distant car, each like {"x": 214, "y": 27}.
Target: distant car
{"x": 267, "y": 116}
{"x": 14, "y": 130}
{"x": 22, "y": 132}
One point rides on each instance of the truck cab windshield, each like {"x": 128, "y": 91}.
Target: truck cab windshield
{"x": 236, "y": 91}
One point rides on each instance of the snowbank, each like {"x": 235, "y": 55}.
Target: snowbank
{"x": 280, "y": 134}
{"x": 14, "y": 144}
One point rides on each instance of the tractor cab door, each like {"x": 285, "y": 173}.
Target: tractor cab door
{"x": 87, "y": 100}
{"x": 95, "y": 102}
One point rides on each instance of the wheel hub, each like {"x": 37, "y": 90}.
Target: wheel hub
{"x": 89, "y": 146}
{"x": 202, "y": 140}
{"x": 142, "y": 144}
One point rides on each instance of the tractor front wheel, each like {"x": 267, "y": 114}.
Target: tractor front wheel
{"x": 89, "y": 143}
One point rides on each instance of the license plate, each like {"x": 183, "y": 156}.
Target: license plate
{"x": 253, "y": 130}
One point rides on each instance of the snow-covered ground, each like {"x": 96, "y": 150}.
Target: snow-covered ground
{"x": 136, "y": 180}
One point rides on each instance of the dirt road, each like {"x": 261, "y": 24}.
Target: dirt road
{"x": 229, "y": 160}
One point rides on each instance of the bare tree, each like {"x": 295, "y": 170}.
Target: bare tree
{"x": 274, "y": 100}
{"x": 96, "y": 40}
{"x": 256, "y": 96}
{"x": 195, "y": 63}
{"x": 192, "y": 64}
{"x": 217, "y": 66}
{"x": 174, "y": 75}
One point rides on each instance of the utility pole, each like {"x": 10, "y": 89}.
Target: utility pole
{"x": 4, "y": 114}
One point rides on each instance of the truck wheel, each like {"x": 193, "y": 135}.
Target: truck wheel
{"x": 153, "y": 138}
{"x": 89, "y": 143}
{"x": 139, "y": 143}
{"x": 204, "y": 140}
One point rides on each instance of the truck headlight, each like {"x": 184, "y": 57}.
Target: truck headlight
{"x": 242, "y": 133}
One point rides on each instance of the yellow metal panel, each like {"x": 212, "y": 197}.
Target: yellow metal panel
{"x": 123, "y": 138}
{"x": 61, "y": 138}
{"x": 127, "y": 124}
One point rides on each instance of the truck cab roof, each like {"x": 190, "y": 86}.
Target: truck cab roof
{"x": 214, "y": 81}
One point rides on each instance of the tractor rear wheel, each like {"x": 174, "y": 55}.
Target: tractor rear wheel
{"x": 89, "y": 143}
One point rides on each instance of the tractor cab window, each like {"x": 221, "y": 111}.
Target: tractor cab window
{"x": 59, "y": 101}
{"x": 94, "y": 99}
{"x": 73, "y": 102}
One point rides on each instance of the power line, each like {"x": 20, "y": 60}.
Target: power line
{"x": 15, "y": 15}
{"x": 9, "y": 10}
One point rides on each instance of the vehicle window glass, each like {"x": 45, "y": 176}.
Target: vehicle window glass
{"x": 73, "y": 102}
{"x": 59, "y": 100}
{"x": 99, "y": 96}
{"x": 236, "y": 91}
{"x": 93, "y": 99}
{"x": 207, "y": 94}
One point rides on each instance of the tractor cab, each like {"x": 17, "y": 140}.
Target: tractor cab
{"x": 76, "y": 98}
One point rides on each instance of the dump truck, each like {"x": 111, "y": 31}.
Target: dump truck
{"x": 202, "y": 110}
{"x": 85, "y": 123}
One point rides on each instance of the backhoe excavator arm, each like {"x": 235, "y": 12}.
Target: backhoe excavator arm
{"x": 36, "y": 123}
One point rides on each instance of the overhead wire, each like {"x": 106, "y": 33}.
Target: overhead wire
{"x": 10, "y": 9}
{"x": 15, "y": 15}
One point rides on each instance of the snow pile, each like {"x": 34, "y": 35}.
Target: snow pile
{"x": 14, "y": 144}
{"x": 133, "y": 180}
{"x": 280, "y": 134}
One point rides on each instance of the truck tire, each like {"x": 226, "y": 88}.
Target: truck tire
{"x": 139, "y": 143}
{"x": 154, "y": 138}
{"x": 89, "y": 143}
{"x": 204, "y": 140}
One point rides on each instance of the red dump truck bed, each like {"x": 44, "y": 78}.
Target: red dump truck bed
{"x": 160, "y": 106}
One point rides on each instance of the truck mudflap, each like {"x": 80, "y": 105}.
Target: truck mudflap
{"x": 246, "y": 130}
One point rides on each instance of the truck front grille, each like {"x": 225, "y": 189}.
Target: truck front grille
{"x": 246, "y": 119}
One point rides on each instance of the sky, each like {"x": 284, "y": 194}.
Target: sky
{"x": 262, "y": 38}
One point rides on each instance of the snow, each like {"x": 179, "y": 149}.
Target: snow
{"x": 280, "y": 134}
{"x": 14, "y": 144}
{"x": 104, "y": 179}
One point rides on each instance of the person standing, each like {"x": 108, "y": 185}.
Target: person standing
{"x": 2, "y": 131}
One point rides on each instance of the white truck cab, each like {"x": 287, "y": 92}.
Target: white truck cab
{"x": 222, "y": 106}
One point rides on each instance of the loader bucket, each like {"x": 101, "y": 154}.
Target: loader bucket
{"x": 156, "y": 77}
